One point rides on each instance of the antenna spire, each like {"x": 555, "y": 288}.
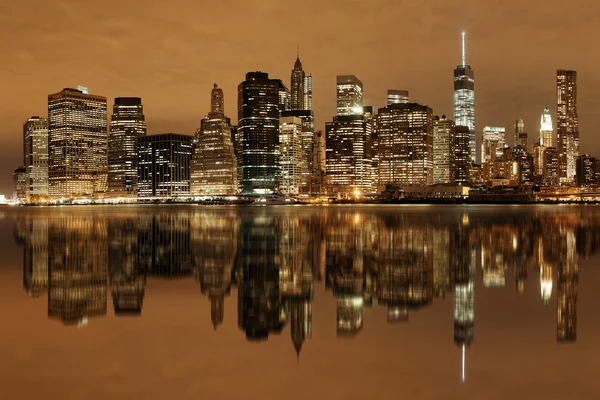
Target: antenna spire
{"x": 463, "y": 49}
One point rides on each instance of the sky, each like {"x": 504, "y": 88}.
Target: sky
{"x": 171, "y": 53}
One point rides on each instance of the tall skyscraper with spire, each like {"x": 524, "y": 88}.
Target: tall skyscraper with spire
{"x": 297, "y": 85}
{"x": 567, "y": 124}
{"x": 546, "y": 128}
{"x": 464, "y": 99}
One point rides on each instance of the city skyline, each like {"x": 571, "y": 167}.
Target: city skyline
{"x": 174, "y": 73}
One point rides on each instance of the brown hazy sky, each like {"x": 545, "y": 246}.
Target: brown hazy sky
{"x": 170, "y": 53}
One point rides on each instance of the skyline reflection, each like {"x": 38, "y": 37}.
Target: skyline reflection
{"x": 394, "y": 258}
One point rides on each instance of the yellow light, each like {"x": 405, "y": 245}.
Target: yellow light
{"x": 357, "y": 193}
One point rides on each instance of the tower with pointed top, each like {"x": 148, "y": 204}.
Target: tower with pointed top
{"x": 464, "y": 100}
{"x": 297, "y": 86}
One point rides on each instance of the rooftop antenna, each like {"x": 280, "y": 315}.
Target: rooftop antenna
{"x": 298, "y": 50}
{"x": 463, "y": 49}
{"x": 464, "y": 361}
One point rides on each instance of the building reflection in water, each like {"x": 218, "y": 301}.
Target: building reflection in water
{"x": 401, "y": 261}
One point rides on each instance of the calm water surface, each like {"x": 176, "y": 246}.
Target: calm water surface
{"x": 300, "y": 302}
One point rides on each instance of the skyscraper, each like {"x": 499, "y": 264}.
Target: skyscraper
{"x": 551, "y": 171}
{"x": 397, "y": 96}
{"x": 443, "y": 150}
{"x": 546, "y": 128}
{"x": 493, "y": 143}
{"x": 35, "y": 148}
{"x": 462, "y": 154}
{"x": 127, "y": 124}
{"x": 164, "y": 165}
{"x": 217, "y": 101}
{"x": 297, "y": 86}
{"x": 349, "y": 141}
{"x": 405, "y": 144}
{"x": 585, "y": 170}
{"x": 520, "y": 138}
{"x": 20, "y": 185}
{"x": 464, "y": 99}
{"x": 77, "y": 142}
{"x": 308, "y": 92}
{"x": 567, "y": 124}
{"x": 290, "y": 155}
{"x": 213, "y": 167}
{"x": 258, "y": 130}
{"x": 307, "y": 120}
{"x": 349, "y": 95}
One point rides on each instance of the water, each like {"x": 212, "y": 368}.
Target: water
{"x": 300, "y": 302}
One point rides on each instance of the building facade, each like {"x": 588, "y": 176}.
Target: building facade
{"x": 20, "y": 185}
{"x": 290, "y": 155}
{"x": 551, "y": 170}
{"x": 164, "y": 165}
{"x": 397, "y": 96}
{"x": 258, "y": 133}
{"x": 585, "y": 170}
{"x": 520, "y": 138}
{"x": 349, "y": 95}
{"x": 35, "y": 158}
{"x": 127, "y": 124}
{"x": 405, "y": 144}
{"x": 464, "y": 100}
{"x": 462, "y": 154}
{"x": 78, "y": 143}
{"x": 307, "y": 120}
{"x": 213, "y": 167}
{"x": 567, "y": 124}
{"x": 443, "y": 150}
{"x": 493, "y": 143}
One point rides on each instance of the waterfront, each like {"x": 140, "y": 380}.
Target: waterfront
{"x": 347, "y": 301}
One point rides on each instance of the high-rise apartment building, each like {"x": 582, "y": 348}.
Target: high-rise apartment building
{"x": 258, "y": 132}
{"x": 493, "y": 143}
{"x": 213, "y": 167}
{"x": 462, "y": 154}
{"x": 164, "y": 165}
{"x": 397, "y": 96}
{"x": 77, "y": 143}
{"x": 520, "y": 138}
{"x": 464, "y": 100}
{"x": 567, "y": 124}
{"x": 127, "y": 124}
{"x": 290, "y": 155}
{"x": 443, "y": 150}
{"x": 35, "y": 158}
{"x": 349, "y": 95}
{"x": 405, "y": 144}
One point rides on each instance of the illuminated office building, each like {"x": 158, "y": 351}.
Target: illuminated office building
{"x": 258, "y": 132}
{"x": 213, "y": 167}
{"x": 164, "y": 165}
{"x": 567, "y": 124}
{"x": 35, "y": 158}
{"x": 462, "y": 154}
{"x": 493, "y": 143}
{"x": 546, "y": 128}
{"x": 290, "y": 155}
{"x": 349, "y": 95}
{"x": 397, "y": 96}
{"x": 405, "y": 144}
{"x": 77, "y": 290}
{"x": 307, "y": 120}
{"x": 551, "y": 170}
{"x": 127, "y": 124}
{"x": 585, "y": 170}
{"x": 443, "y": 150}
{"x": 464, "y": 100}
{"x": 77, "y": 143}
{"x": 308, "y": 92}
{"x": 349, "y": 141}
{"x": 20, "y": 185}
{"x": 520, "y": 138}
